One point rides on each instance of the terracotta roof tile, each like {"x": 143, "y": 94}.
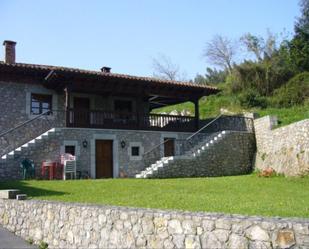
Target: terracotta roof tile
{"x": 112, "y": 75}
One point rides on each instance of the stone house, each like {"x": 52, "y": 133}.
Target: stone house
{"x": 105, "y": 119}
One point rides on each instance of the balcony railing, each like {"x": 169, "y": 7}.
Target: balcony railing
{"x": 124, "y": 120}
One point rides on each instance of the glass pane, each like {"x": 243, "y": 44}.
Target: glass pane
{"x": 135, "y": 151}
{"x": 35, "y": 111}
{"x": 45, "y": 105}
{"x": 35, "y": 104}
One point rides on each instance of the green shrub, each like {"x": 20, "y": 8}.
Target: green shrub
{"x": 295, "y": 92}
{"x": 264, "y": 77}
{"x": 252, "y": 98}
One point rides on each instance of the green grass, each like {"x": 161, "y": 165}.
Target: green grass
{"x": 249, "y": 194}
{"x": 211, "y": 105}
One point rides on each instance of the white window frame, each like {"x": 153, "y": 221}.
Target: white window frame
{"x": 141, "y": 151}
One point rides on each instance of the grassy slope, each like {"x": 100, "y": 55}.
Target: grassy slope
{"x": 277, "y": 196}
{"x": 210, "y": 107}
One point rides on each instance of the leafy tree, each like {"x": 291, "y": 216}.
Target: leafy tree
{"x": 299, "y": 45}
{"x": 302, "y": 25}
{"x": 212, "y": 76}
{"x": 295, "y": 92}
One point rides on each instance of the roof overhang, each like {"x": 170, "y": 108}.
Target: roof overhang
{"x": 159, "y": 92}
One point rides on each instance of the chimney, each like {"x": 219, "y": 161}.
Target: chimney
{"x": 9, "y": 51}
{"x": 106, "y": 69}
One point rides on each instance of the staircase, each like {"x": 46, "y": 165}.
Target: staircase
{"x": 163, "y": 164}
{"x": 27, "y": 146}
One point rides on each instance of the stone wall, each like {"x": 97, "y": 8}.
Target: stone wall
{"x": 67, "y": 225}
{"x": 229, "y": 122}
{"x": 232, "y": 154}
{"x": 15, "y": 109}
{"x": 52, "y": 147}
{"x": 285, "y": 149}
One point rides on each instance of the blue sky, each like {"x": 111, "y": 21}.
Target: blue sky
{"x": 127, "y": 34}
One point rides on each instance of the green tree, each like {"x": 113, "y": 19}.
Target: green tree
{"x": 299, "y": 45}
{"x": 212, "y": 76}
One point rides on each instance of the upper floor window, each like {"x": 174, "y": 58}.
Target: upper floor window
{"x": 123, "y": 106}
{"x": 41, "y": 103}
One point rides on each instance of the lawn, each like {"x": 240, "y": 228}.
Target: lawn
{"x": 249, "y": 194}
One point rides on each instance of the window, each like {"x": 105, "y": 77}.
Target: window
{"x": 70, "y": 149}
{"x": 135, "y": 151}
{"x": 123, "y": 106}
{"x": 40, "y": 103}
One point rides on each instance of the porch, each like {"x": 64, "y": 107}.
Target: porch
{"x": 130, "y": 121}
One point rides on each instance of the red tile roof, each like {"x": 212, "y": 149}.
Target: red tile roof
{"x": 107, "y": 75}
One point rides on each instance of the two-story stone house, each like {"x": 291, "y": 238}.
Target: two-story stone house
{"x": 105, "y": 119}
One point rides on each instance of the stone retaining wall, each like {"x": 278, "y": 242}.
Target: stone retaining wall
{"x": 285, "y": 149}
{"x": 231, "y": 155}
{"x": 67, "y": 225}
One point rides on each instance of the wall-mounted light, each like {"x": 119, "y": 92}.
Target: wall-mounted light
{"x": 85, "y": 143}
{"x": 123, "y": 144}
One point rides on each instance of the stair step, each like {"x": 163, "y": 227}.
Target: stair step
{"x": 195, "y": 150}
{"x": 9, "y": 193}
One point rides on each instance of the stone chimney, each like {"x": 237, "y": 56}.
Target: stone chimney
{"x": 9, "y": 51}
{"x": 106, "y": 69}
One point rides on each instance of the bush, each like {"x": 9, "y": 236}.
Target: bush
{"x": 295, "y": 92}
{"x": 264, "y": 76}
{"x": 252, "y": 98}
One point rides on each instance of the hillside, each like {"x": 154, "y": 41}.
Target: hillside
{"x": 210, "y": 107}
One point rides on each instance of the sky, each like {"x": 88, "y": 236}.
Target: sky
{"x": 127, "y": 34}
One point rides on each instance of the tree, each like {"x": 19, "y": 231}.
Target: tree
{"x": 212, "y": 76}
{"x": 299, "y": 45}
{"x": 302, "y": 24}
{"x": 164, "y": 68}
{"x": 258, "y": 46}
{"x": 221, "y": 51}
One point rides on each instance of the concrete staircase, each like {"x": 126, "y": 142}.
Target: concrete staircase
{"x": 196, "y": 151}
{"x": 34, "y": 142}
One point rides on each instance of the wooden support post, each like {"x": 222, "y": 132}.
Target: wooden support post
{"x": 67, "y": 105}
{"x": 139, "y": 112}
{"x": 197, "y": 113}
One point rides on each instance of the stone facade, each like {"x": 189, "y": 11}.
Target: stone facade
{"x": 230, "y": 155}
{"x": 285, "y": 149}
{"x": 67, "y": 225}
{"x": 15, "y": 108}
{"x": 52, "y": 147}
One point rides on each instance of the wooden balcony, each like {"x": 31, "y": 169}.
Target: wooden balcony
{"x": 129, "y": 121}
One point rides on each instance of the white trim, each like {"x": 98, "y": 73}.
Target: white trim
{"x": 141, "y": 151}
{"x": 93, "y": 156}
{"x": 168, "y": 135}
{"x": 39, "y": 90}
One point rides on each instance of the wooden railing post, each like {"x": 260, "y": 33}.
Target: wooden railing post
{"x": 197, "y": 113}
{"x": 67, "y": 105}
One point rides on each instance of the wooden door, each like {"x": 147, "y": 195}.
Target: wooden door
{"x": 81, "y": 112}
{"x": 104, "y": 158}
{"x": 169, "y": 147}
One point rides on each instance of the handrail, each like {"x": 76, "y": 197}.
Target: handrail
{"x": 147, "y": 152}
{"x": 24, "y": 123}
{"x": 219, "y": 116}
